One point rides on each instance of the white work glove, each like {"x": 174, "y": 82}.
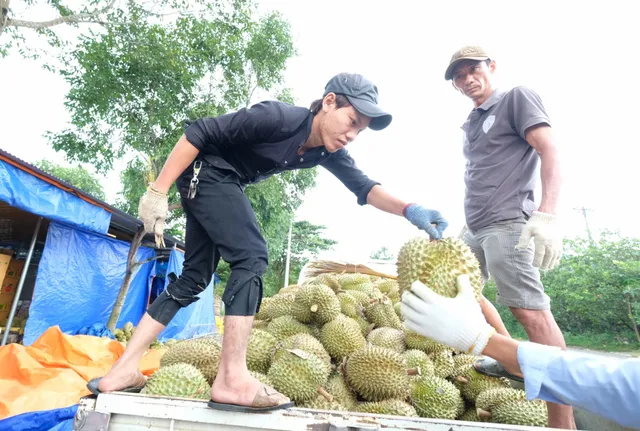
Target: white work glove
{"x": 152, "y": 210}
{"x": 546, "y": 238}
{"x": 456, "y": 322}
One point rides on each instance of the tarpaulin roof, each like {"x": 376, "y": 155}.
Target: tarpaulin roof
{"x": 79, "y": 277}
{"x": 74, "y": 199}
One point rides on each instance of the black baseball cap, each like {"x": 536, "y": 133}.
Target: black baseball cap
{"x": 362, "y": 94}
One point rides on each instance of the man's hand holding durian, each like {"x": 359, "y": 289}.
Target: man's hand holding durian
{"x": 457, "y": 322}
{"x": 430, "y": 221}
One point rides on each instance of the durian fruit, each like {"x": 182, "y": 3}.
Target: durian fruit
{"x": 342, "y": 393}
{"x": 341, "y": 337}
{"x": 260, "y": 350}
{"x": 361, "y": 297}
{"x": 260, "y": 324}
{"x": 388, "y": 337}
{"x": 170, "y": 342}
{"x": 315, "y": 303}
{"x": 178, "y": 380}
{"x": 470, "y": 415}
{"x": 365, "y": 326}
{"x": 276, "y": 306}
{"x": 462, "y": 361}
{"x": 389, "y": 406}
{"x": 521, "y": 412}
{"x": 420, "y": 342}
{"x": 328, "y": 279}
{"x": 263, "y": 314}
{"x": 438, "y": 264}
{"x": 350, "y": 280}
{"x": 299, "y": 375}
{"x": 285, "y": 326}
{"x": 398, "y": 309}
{"x": 390, "y": 288}
{"x": 443, "y": 362}
{"x": 303, "y": 342}
{"x": 471, "y": 383}
{"x": 381, "y": 313}
{"x": 490, "y": 398}
{"x": 321, "y": 403}
{"x": 128, "y": 330}
{"x": 349, "y": 306}
{"x": 435, "y": 397}
{"x": 420, "y": 360}
{"x": 119, "y": 335}
{"x": 386, "y": 285}
{"x": 377, "y": 373}
{"x": 203, "y": 353}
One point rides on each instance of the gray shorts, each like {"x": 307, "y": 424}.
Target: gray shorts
{"x": 517, "y": 280}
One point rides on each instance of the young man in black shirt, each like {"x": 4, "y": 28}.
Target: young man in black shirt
{"x": 211, "y": 164}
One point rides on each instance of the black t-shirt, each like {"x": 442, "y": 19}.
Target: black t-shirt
{"x": 263, "y": 140}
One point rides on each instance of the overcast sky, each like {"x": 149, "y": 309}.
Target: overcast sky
{"x": 580, "y": 57}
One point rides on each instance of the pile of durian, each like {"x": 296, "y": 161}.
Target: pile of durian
{"x": 337, "y": 342}
{"x": 123, "y": 335}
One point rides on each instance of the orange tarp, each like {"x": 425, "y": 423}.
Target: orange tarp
{"x": 53, "y": 372}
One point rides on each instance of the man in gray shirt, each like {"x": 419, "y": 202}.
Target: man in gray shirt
{"x": 505, "y": 135}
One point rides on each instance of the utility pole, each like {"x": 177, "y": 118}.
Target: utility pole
{"x": 286, "y": 268}
{"x": 584, "y": 210}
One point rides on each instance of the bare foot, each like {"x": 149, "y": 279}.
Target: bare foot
{"x": 241, "y": 389}
{"x": 116, "y": 380}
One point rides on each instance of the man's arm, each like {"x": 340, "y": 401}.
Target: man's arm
{"x": 605, "y": 386}
{"x": 378, "y": 197}
{"x": 541, "y": 139}
{"x": 182, "y": 155}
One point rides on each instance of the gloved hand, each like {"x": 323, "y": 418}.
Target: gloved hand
{"x": 152, "y": 210}
{"x": 423, "y": 218}
{"x": 546, "y": 237}
{"x": 456, "y": 322}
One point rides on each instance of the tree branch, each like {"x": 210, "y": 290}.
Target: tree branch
{"x": 173, "y": 207}
{"x": 82, "y": 17}
{"x": 142, "y": 262}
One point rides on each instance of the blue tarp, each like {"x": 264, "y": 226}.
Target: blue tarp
{"x": 29, "y": 193}
{"x": 78, "y": 280}
{"x": 199, "y": 317}
{"x": 46, "y": 420}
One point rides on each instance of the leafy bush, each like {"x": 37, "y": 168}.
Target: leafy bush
{"x": 594, "y": 290}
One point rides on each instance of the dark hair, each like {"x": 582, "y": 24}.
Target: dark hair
{"x": 341, "y": 102}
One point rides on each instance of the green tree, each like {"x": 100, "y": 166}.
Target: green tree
{"x": 307, "y": 241}
{"x": 383, "y": 253}
{"x": 76, "y": 176}
{"x": 594, "y": 289}
{"x": 134, "y": 86}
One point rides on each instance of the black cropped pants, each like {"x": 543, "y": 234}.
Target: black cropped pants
{"x": 220, "y": 224}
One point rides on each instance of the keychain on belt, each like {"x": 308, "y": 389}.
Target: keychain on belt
{"x": 193, "y": 185}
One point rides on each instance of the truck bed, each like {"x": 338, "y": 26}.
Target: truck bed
{"x": 136, "y": 412}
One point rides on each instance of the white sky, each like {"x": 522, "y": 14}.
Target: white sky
{"x": 581, "y": 58}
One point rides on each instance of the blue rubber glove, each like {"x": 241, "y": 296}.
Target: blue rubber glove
{"x": 424, "y": 219}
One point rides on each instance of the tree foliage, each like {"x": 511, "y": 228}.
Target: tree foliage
{"x": 594, "y": 289}
{"x": 306, "y": 242}
{"x": 383, "y": 253}
{"x": 76, "y": 176}
{"x": 133, "y": 86}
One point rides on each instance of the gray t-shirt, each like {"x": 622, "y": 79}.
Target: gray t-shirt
{"x": 501, "y": 167}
